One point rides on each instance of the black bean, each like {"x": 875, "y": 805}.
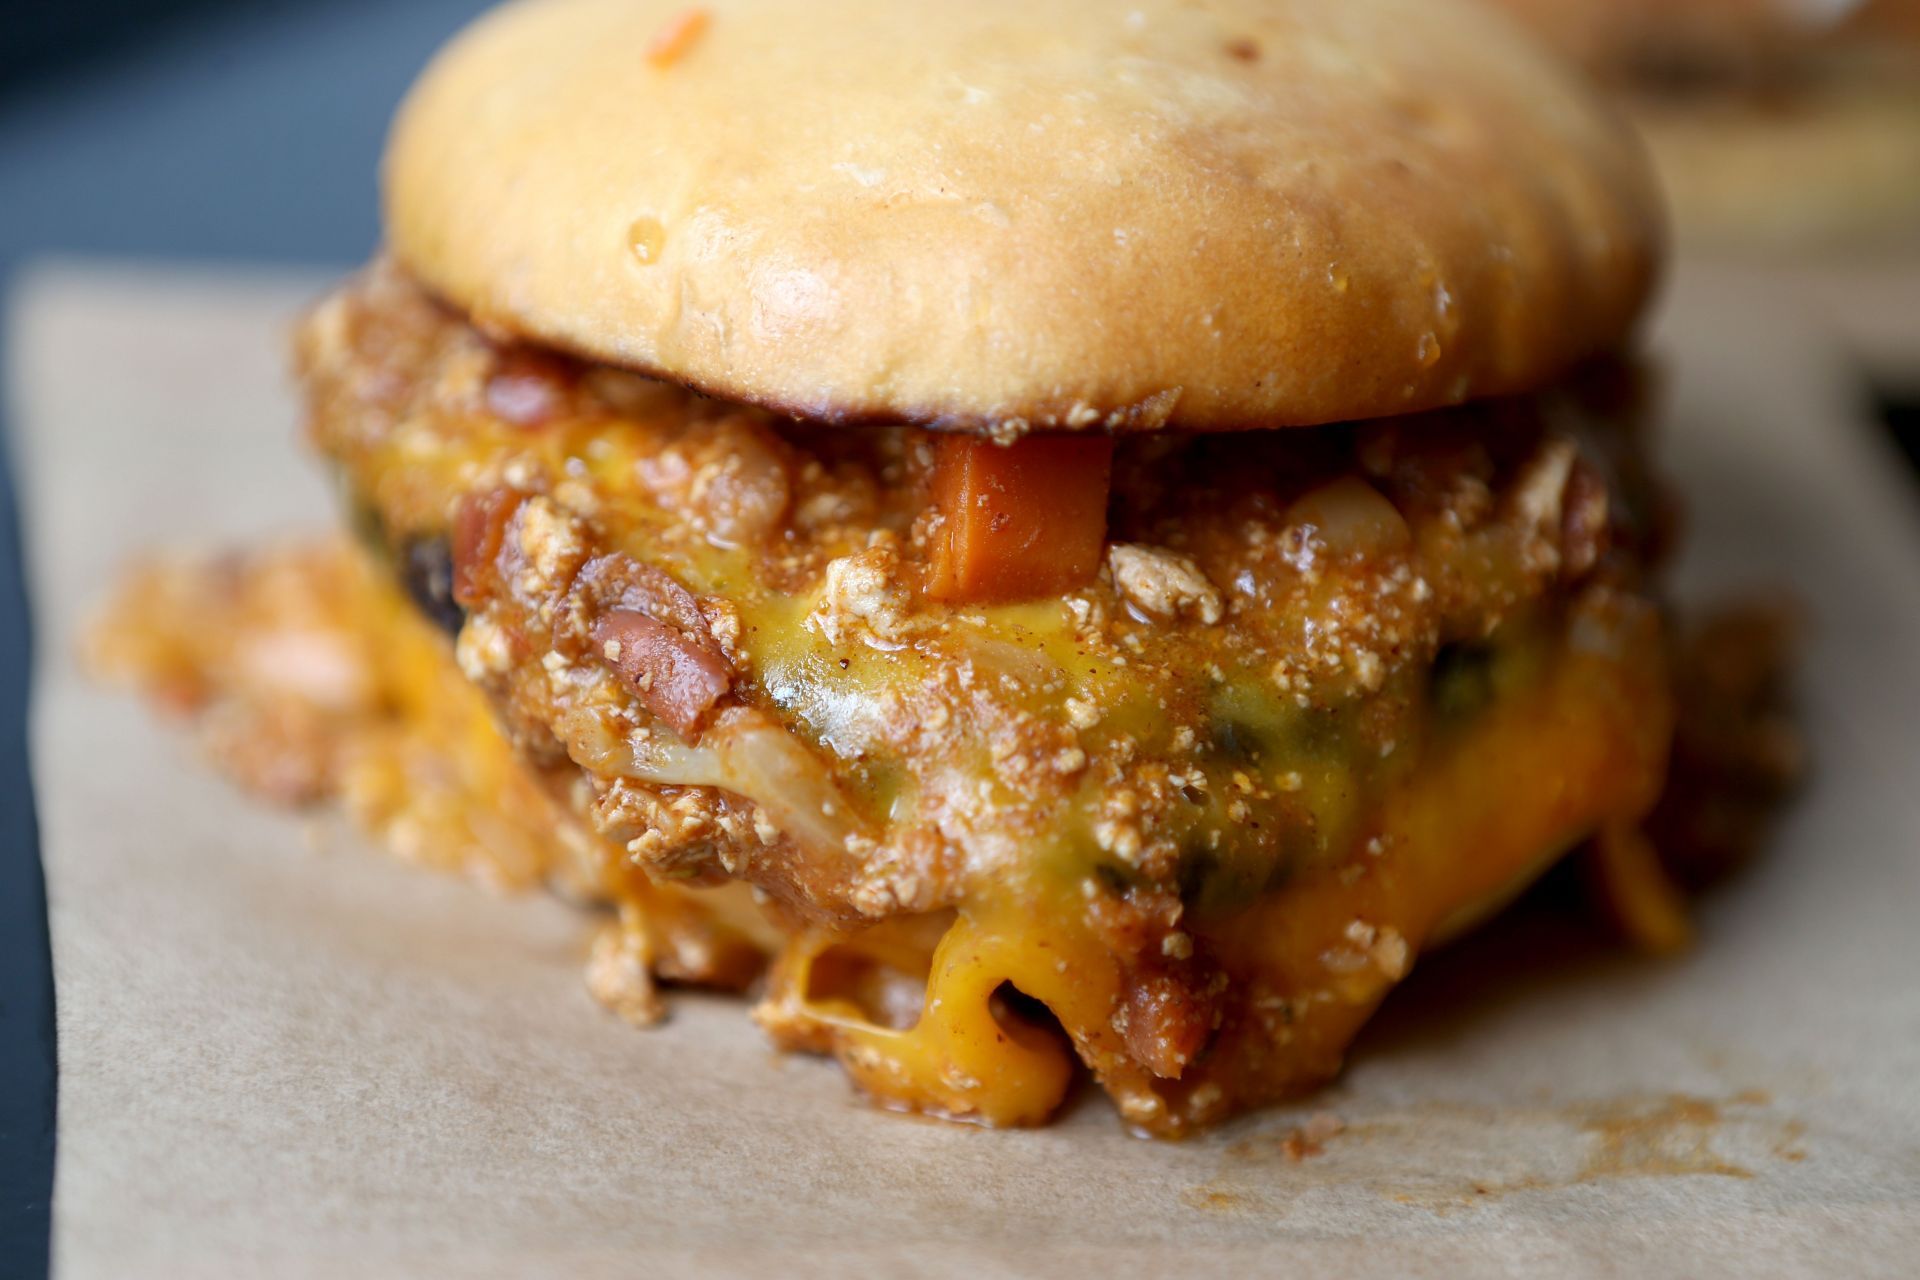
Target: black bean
{"x": 426, "y": 571}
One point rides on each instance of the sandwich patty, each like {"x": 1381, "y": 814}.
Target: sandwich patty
{"x": 720, "y": 623}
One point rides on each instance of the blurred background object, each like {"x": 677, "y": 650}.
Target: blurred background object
{"x": 1778, "y": 125}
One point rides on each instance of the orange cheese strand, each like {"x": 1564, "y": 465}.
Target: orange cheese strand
{"x": 1020, "y": 520}
{"x": 1625, "y": 876}
{"x": 961, "y": 1057}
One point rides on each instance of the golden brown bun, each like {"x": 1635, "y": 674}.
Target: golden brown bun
{"x": 1050, "y": 213}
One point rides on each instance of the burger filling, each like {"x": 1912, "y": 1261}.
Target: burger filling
{"x": 1166, "y": 753}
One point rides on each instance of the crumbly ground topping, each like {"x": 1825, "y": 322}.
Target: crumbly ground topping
{"x": 721, "y": 620}
{"x": 1259, "y": 591}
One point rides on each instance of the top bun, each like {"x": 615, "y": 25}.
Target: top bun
{"x": 1003, "y": 214}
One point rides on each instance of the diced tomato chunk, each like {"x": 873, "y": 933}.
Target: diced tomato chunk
{"x": 1021, "y": 520}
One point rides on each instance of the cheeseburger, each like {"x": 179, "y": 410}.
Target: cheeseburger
{"x": 1035, "y": 537}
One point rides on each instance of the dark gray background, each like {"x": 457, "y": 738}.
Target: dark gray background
{"x": 196, "y": 129}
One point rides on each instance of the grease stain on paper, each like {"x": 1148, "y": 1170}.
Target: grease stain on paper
{"x": 1444, "y": 1157}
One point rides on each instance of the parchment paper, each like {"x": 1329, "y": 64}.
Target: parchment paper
{"x": 289, "y": 1056}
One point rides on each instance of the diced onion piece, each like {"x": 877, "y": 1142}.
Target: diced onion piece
{"x": 753, "y": 755}
{"x": 1353, "y": 518}
{"x": 762, "y": 760}
{"x": 1020, "y": 520}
